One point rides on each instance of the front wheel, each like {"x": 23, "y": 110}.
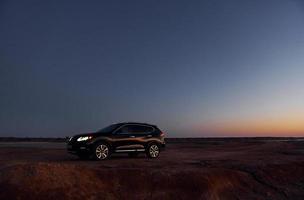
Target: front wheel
{"x": 153, "y": 151}
{"x": 101, "y": 151}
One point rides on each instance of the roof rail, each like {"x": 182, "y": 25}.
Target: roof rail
{"x": 138, "y": 123}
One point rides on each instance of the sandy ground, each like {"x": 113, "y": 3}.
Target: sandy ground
{"x": 222, "y": 169}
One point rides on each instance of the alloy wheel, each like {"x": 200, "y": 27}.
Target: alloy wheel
{"x": 102, "y": 151}
{"x": 154, "y": 151}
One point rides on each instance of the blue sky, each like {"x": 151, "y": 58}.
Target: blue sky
{"x": 195, "y": 68}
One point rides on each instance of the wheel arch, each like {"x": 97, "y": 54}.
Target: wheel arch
{"x": 102, "y": 140}
{"x": 152, "y": 142}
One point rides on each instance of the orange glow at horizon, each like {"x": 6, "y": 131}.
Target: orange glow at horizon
{"x": 280, "y": 126}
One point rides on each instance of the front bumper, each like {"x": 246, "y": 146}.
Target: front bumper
{"x": 78, "y": 148}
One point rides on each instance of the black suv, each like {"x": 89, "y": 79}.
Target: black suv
{"x": 128, "y": 137}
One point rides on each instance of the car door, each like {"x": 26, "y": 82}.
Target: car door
{"x": 125, "y": 137}
{"x": 142, "y": 134}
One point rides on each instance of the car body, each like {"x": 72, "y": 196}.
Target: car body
{"x": 127, "y": 137}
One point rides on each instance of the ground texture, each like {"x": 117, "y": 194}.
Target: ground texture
{"x": 220, "y": 169}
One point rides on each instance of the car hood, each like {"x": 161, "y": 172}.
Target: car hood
{"x": 82, "y": 134}
{"x": 90, "y": 134}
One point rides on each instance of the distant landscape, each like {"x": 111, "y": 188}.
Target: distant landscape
{"x": 170, "y": 140}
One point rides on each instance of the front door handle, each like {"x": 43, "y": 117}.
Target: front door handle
{"x": 149, "y": 135}
{"x": 132, "y": 136}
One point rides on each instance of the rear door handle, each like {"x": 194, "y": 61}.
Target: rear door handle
{"x": 132, "y": 136}
{"x": 149, "y": 135}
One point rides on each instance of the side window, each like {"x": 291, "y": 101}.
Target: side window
{"x": 134, "y": 129}
{"x": 123, "y": 130}
{"x": 144, "y": 129}
{"x": 147, "y": 129}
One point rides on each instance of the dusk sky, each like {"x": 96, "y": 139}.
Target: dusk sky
{"x": 194, "y": 68}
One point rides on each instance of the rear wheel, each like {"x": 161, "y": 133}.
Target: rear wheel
{"x": 101, "y": 151}
{"x": 153, "y": 150}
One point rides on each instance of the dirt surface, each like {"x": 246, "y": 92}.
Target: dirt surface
{"x": 220, "y": 169}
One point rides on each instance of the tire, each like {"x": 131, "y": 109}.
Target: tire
{"x": 101, "y": 151}
{"x": 153, "y": 150}
{"x": 133, "y": 154}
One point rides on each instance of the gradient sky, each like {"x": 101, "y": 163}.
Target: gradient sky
{"x": 194, "y": 68}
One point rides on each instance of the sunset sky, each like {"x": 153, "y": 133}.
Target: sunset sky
{"x": 194, "y": 68}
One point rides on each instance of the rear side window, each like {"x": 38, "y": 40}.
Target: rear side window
{"x": 144, "y": 129}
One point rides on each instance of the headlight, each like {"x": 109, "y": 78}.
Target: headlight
{"x": 84, "y": 138}
{"x": 70, "y": 138}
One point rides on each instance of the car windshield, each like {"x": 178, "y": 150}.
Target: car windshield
{"x": 109, "y": 128}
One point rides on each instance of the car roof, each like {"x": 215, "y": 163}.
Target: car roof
{"x": 137, "y": 123}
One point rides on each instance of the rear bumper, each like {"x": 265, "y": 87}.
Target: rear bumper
{"x": 163, "y": 146}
